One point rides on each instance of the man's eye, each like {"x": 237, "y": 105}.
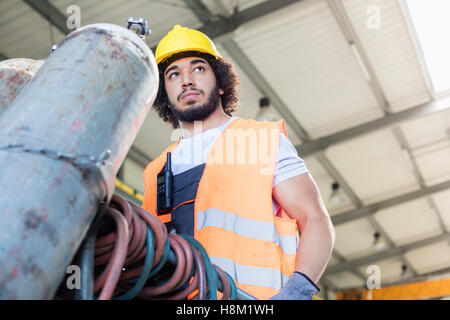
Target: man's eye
{"x": 173, "y": 74}
{"x": 199, "y": 69}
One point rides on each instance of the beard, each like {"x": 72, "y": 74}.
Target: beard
{"x": 197, "y": 112}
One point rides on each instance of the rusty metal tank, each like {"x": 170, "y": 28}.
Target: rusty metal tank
{"x": 14, "y": 75}
{"x": 87, "y": 101}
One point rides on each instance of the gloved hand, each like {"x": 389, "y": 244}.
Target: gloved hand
{"x": 298, "y": 287}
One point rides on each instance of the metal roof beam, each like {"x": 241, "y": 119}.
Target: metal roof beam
{"x": 200, "y": 10}
{"x": 225, "y": 26}
{"x": 341, "y": 259}
{"x": 263, "y": 85}
{"x": 139, "y": 157}
{"x": 420, "y": 179}
{"x": 342, "y": 19}
{"x": 346, "y": 188}
{"x": 373, "y": 208}
{"x": 394, "y": 252}
{"x": 421, "y": 277}
{"x": 3, "y": 56}
{"x": 50, "y": 13}
{"x": 320, "y": 144}
{"x": 218, "y": 26}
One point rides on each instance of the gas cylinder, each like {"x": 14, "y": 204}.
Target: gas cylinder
{"x": 62, "y": 140}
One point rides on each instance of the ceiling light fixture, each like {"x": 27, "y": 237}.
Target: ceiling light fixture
{"x": 265, "y": 112}
{"x": 336, "y": 196}
{"x": 404, "y": 270}
{"x": 378, "y": 243}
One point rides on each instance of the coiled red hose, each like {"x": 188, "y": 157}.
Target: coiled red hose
{"x": 120, "y": 254}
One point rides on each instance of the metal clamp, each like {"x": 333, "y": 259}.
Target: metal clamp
{"x": 138, "y": 25}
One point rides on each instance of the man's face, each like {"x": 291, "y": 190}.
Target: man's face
{"x": 191, "y": 87}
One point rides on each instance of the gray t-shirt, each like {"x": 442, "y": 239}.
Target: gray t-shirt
{"x": 193, "y": 151}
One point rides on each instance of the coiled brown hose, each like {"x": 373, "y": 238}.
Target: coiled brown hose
{"x": 110, "y": 276}
{"x": 120, "y": 256}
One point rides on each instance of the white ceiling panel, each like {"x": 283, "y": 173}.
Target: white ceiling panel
{"x": 24, "y": 33}
{"x": 390, "y": 51}
{"x": 426, "y": 131}
{"x": 7, "y": 7}
{"x": 430, "y": 258}
{"x": 11, "y": 11}
{"x": 409, "y": 222}
{"x": 429, "y": 138}
{"x": 374, "y": 166}
{"x": 324, "y": 181}
{"x": 435, "y": 166}
{"x": 345, "y": 280}
{"x": 442, "y": 202}
{"x": 249, "y": 96}
{"x": 161, "y": 15}
{"x": 39, "y": 44}
{"x": 301, "y": 51}
{"x": 355, "y": 239}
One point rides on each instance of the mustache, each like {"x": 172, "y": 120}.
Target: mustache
{"x": 188, "y": 90}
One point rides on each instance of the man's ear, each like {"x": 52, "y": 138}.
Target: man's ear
{"x": 221, "y": 92}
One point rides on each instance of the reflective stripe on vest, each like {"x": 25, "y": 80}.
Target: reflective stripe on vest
{"x": 254, "y": 229}
{"x": 256, "y": 276}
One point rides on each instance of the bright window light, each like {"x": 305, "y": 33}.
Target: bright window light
{"x": 432, "y": 24}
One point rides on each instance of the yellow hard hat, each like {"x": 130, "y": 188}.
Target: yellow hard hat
{"x": 182, "y": 39}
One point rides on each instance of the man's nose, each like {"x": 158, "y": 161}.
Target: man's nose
{"x": 188, "y": 81}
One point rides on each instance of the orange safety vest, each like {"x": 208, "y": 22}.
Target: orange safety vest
{"x": 233, "y": 212}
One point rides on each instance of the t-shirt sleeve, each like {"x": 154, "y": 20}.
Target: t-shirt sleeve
{"x": 289, "y": 164}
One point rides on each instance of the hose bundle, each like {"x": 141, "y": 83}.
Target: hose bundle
{"x": 138, "y": 259}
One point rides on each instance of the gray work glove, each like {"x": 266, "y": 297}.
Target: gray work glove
{"x": 298, "y": 287}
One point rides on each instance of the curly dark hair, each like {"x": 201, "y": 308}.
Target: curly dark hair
{"x": 227, "y": 80}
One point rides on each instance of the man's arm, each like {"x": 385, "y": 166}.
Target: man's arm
{"x": 300, "y": 199}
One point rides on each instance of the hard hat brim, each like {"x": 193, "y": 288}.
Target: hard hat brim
{"x": 184, "y": 54}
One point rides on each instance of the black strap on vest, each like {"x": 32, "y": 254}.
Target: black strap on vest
{"x": 185, "y": 186}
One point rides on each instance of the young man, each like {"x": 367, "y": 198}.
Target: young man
{"x": 239, "y": 186}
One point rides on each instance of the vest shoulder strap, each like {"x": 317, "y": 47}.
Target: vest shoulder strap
{"x": 150, "y": 172}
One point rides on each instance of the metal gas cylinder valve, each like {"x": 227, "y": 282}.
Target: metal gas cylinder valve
{"x": 138, "y": 25}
